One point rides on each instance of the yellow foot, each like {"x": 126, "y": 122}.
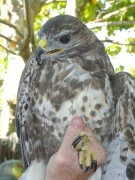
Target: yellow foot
{"x": 87, "y": 158}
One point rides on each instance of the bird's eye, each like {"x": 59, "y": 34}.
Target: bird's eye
{"x": 65, "y": 39}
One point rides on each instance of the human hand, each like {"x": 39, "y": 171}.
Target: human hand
{"x": 63, "y": 165}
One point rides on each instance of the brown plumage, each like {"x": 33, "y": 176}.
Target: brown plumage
{"x": 71, "y": 75}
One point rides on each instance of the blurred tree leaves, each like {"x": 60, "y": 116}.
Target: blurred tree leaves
{"x": 123, "y": 13}
{"x": 113, "y": 49}
{"x": 91, "y": 10}
{"x": 95, "y": 11}
{"x": 132, "y": 71}
{"x": 46, "y": 13}
{"x": 131, "y": 48}
{"x": 3, "y": 70}
{"x": 86, "y": 10}
{"x": 119, "y": 69}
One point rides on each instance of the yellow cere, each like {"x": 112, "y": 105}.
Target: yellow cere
{"x": 43, "y": 43}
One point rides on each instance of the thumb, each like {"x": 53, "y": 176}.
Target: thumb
{"x": 75, "y": 127}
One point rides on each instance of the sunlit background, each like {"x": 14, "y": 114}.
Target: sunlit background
{"x": 119, "y": 40}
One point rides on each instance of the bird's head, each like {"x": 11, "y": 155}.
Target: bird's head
{"x": 63, "y": 36}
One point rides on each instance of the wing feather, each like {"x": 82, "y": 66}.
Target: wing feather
{"x": 23, "y": 106}
{"x": 124, "y": 90}
{"x": 124, "y": 126}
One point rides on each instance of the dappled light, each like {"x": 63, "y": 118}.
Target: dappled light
{"x": 112, "y": 21}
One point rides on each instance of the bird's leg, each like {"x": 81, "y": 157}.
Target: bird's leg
{"x": 87, "y": 158}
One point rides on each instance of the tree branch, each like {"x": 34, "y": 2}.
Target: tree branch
{"x": 33, "y": 42}
{"x": 12, "y": 26}
{"x": 109, "y": 15}
{"x": 71, "y": 7}
{"x": 50, "y": 1}
{"x": 28, "y": 37}
{"x": 93, "y": 24}
{"x": 28, "y": 20}
{"x": 116, "y": 42}
{"x": 8, "y": 50}
{"x": 101, "y": 13}
{"x": 5, "y": 37}
{"x": 81, "y": 8}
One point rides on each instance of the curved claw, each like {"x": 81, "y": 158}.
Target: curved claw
{"x": 87, "y": 158}
{"x": 91, "y": 167}
{"x": 76, "y": 141}
{"x": 95, "y": 165}
{"x": 86, "y": 169}
{"x": 94, "y": 161}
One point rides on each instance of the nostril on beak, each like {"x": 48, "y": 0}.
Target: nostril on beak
{"x": 43, "y": 43}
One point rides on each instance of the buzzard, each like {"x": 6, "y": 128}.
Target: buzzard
{"x": 71, "y": 75}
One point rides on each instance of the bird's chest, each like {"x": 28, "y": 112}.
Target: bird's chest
{"x": 66, "y": 91}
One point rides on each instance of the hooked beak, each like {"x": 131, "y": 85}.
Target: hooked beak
{"x": 44, "y": 51}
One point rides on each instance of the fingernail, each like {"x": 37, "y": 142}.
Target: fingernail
{"x": 77, "y": 122}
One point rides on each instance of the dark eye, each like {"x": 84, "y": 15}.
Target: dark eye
{"x": 65, "y": 38}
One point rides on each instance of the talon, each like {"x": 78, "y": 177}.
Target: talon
{"x": 86, "y": 169}
{"x": 91, "y": 167}
{"x": 86, "y": 157}
{"x": 78, "y": 139}
{"x": 94, "y": 158}
{"x": 95, "y": 165}
{"x": 81, "y": 166}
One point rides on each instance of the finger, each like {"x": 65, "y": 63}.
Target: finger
{"x": 66, "y": 156}
{"x": 75, "y": 127}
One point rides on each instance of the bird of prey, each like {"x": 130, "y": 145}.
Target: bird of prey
{"x": 71, "y": 75}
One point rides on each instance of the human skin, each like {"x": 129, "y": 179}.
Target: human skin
{"x": 63, "y": 165}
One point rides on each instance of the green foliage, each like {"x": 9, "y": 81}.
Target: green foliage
{"x": 87, "y": 11}
{"x": 47, "y": 11}
{"x": 130, "y": 48}
{"x": 119, "y": 69}
{"x": 8, "y": 151}
{"x": 121, "y": 16}
{"x": 132, "y": 71}
{"x": 3, "y": 70}
{"x": 113, "y": 49}
{"x": 3, "y": 65}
